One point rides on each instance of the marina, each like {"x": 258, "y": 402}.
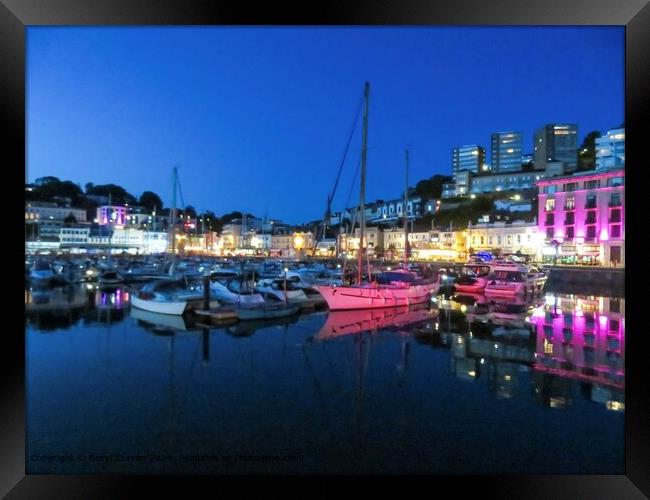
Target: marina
{"x": 380, "y": 260}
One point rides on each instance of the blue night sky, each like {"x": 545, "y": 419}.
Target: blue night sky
{"x": 257, "y": 118}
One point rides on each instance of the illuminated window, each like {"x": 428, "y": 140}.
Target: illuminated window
{"x": 550, "y": 204}
{"x": 570, "y": 203}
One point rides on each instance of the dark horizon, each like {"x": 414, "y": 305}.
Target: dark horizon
{"x": 257, "y": 118}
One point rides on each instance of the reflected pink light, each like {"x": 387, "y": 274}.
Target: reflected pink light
{"x": 603, "y": 321}
{"x": 604, "y": 236}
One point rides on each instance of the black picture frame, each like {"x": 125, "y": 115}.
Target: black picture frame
{"x": 16, "y": 15}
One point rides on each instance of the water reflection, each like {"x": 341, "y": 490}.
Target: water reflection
{"x": 57, "y": 308}
{"x": 394, "y": 389}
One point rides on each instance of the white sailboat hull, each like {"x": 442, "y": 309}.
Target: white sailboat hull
{"x": 159, "y": 306}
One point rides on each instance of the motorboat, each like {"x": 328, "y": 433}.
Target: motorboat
{"x": 472, "y": 278}
{"x": 169, "y": 297}
{"x": 41, "y": 273}
{"x": 507, "y": 280}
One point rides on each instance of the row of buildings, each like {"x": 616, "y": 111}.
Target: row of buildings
{"x": 555, "y": 154}
{"x": 580, "y": 221}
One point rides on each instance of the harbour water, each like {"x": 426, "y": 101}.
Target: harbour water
{"x": 459, "y": 387}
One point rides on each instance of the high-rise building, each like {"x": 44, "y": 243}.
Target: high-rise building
{"x": 556, "y": 142}
{"x": 610, "y": 149}
{"x": 506, "y": 152}
{"x": 471, "y": 157}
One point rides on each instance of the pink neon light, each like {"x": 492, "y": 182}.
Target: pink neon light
{"x": 604, "y": 236}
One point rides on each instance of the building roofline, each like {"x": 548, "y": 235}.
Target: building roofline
{"x": 591, "y": 174}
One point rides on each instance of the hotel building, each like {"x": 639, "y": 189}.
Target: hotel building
{"x": 582, "y": 218}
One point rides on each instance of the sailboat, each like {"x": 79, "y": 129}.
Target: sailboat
{"x": 170, "y": 296}
{"x": 388, "y": 289}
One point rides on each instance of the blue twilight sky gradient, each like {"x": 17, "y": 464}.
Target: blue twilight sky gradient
{"x": 257, "y": 118}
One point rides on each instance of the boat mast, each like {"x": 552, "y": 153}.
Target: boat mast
{"x": 404, "y": 210}
{"x": 172, "y": 227}
{"x": 364, "y": 150}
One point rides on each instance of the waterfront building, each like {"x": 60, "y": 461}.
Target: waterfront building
{"x": 610, "y": 149}
{"x": 42, "y": 211}
{"x": 582, "y": 217}
{"x": 74, "y": 236}
{"x": 506, "y": 152}
{"x": 556, "y": 142}
{"x": 112, "y": 214}
{"x": 393, "y": 210}
{"x": 524, "y": 238}
{"x": 326, "y": 247}
{"x": 349, "y": 243}
{"x": 510, "y": 181}
{"x": 470, "y": 157}
{"x": 467, "y": 183}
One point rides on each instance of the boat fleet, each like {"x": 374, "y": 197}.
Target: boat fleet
{"x": 271, "y": 288}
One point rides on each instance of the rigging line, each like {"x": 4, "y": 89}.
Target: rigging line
{"x": 345, "y": 153}
{"x": 180, "y": 191}
{"x": 354, "y": 180}
{"x": 330, "y": 196}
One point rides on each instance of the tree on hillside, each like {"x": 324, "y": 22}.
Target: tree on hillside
{"x": 189, "y": 210}
{"x": 432, "y": 187}
{"x": 150, "y": 200}
{"x": 118, "y": 194}
{"x": 53, "y": 188}
{"x": 46, "y": 180}
{"x": 587, "y": 152}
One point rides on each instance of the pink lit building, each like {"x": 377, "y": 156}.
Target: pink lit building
{"x": 582, "y": 217}
{"x": 112, "y": 214}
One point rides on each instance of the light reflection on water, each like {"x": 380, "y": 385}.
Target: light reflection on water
{"x": 464, "y": 386}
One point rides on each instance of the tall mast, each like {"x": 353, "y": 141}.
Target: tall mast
{"x": 364, "y": 149}
{"x": 172, "y": 230}
{"x": 404, "y": 210}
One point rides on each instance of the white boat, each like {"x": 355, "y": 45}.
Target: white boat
{"x": 508, "y": 279}
{"x": 234, "y": 291}
{"x": 276, "y": 289}
{"x": 169, "y": 297}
